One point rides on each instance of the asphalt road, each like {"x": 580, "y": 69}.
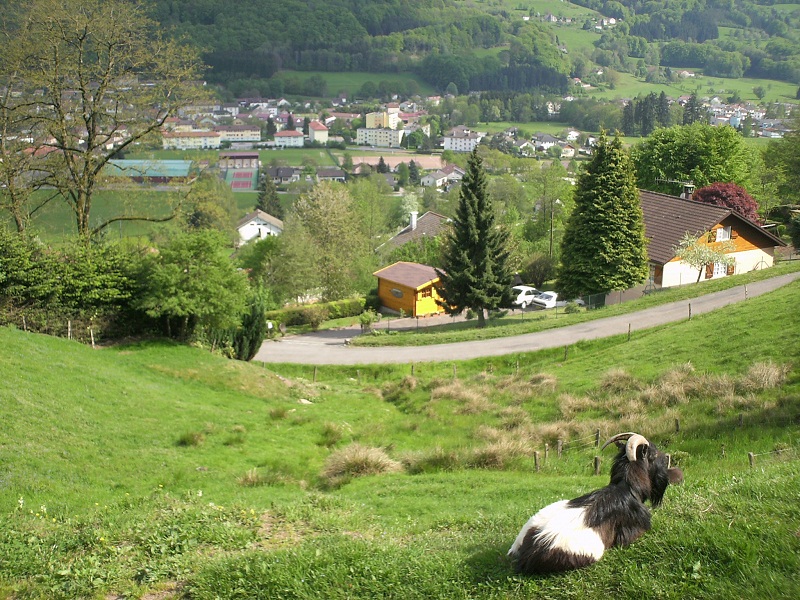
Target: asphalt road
{"x": 329, "y": 347}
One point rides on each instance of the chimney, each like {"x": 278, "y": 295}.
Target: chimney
{"x": 414, "y": 214}
{"x": 688, "y": 190}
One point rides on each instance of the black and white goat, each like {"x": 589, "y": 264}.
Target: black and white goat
{"x": 571, "y": 534}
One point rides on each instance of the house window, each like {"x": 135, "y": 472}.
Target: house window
{"x": 723, "y": 234}
{"x": 426, "y": 293}
{"x": 397, "y": 293}
{"x": 720, "y": 269}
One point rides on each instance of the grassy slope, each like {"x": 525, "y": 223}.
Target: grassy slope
{"x": 93, "y": 437}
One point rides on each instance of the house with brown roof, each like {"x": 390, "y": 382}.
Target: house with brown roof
{"x": 429, "y": 225}
{"x": 668, "y": 218}
{"x": 409, "y": 287}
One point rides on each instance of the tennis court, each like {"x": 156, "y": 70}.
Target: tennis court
{"x": 242, "y": 180}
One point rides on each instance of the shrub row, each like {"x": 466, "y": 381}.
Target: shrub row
{"x": 310, "y": 314}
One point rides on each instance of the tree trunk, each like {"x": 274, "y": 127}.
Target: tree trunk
{"x": 481, "y": 318}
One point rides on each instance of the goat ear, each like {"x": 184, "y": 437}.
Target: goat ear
{"x": 675, "y": 475}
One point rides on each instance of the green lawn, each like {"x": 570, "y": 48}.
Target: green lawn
{"x": 160, "y": 469}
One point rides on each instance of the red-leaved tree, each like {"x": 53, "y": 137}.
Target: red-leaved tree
{"x": 730, "y": 196}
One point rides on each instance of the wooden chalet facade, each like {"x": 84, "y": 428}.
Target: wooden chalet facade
{"x": 668, "y": 218}
{"x": 410, "y": 288}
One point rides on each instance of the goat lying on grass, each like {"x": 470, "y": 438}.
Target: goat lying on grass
{"x": 571, "y": 534}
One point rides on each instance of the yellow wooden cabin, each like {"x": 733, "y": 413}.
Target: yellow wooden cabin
{"x": 409, "y": 287}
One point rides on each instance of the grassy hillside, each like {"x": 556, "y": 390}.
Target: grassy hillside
{"x": 160, "y": 467}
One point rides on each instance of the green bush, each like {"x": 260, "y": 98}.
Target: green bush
{"x": 300, "y": 315}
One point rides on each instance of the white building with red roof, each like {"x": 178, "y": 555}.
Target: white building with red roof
{"x": 317, "y": 132}
{"x": 289, "y": 138}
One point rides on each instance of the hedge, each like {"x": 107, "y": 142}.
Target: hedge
{"x": 305, "y": 314}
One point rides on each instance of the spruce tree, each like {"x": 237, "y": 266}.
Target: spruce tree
{"x": 268, "y": 200}
{"x": 477, "y": 273}
{"x": 629, "y": 119}
{"x": 413, "y": 173}
{"x": 604, "y": 246}
{"x": 382, "y": 167}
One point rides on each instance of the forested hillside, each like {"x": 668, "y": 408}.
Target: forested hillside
{"x": 482, "y": 45}
{"x": 253, "y": 40}
{"x": 726, "y": 38}
{"x": 442, "y": 39}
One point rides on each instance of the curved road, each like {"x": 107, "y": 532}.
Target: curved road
{"x": 329, "y": 347}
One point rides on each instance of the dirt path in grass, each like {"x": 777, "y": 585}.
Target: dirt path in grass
{"x": 330, "y": 348}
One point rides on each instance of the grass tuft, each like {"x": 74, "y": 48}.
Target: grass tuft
{"x": 356, "y": 460}
{"x": 191, "y": 438}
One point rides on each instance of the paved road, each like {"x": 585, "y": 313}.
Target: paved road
{"x": 329, "y": 348}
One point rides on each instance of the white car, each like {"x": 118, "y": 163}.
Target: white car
{"x": 546, "y": 300}
{"x": 524, "y": 295}
{"x": 550, "y": 300}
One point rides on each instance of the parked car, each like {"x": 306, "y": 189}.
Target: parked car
{"x": 550, "y": 300}
{"x": 524, "y": 295}
{"x": 546, "y": 299}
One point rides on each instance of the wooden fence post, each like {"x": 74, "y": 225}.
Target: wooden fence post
{"x": 752, "y": 458}
{"x": 412, "y": 369}
{"x": 560, "y": 448}
{"x": 629, "y": 332}
{"x": 536, "y": 460}
{"x": 597, "y": 465}
{"x": 315, "y": 374}
{"x": 597, "y": 439}
{"x": 455, "y": 372}
{"x": 566, "y": 351}
{"x": 546, "y": 451}
{"x": 690, "y": 311}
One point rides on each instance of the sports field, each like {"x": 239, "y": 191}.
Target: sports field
{"x": 242, "y": 180}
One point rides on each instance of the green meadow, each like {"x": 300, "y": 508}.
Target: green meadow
{"x": 155, "y": 470}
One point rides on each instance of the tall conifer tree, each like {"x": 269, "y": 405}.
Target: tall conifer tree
{"x": 477, "y": 273}
{"x": 604, "y": 245}
{"x": 268, "y": 200}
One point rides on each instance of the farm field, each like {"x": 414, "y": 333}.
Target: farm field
{"x": 155, "y": 468}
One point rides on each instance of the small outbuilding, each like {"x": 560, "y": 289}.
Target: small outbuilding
{"x": 409, "y": 287}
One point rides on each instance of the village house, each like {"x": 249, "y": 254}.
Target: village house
{"x": 331, "y": 175}
{"x": 461, "y": 139}
{"x": 258, "y": 225}
{"x": 437, "y": 179}
{"x": 668, "y": 218}
{"x": 429, "y": 225}
{"x": 283, "y": 175}
{"x": 317, "y": 133}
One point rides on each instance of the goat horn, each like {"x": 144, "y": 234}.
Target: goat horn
{"x": 634, "y": 441}
{"x": 619, "y": 436}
